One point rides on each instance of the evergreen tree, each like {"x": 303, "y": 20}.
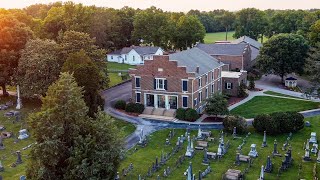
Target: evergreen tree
{"x": 216, "y": 105}
{"x": 251, "y": 83}
{"x": 242, "y": 90}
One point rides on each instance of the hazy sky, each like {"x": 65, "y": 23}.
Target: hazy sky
{"x": 181, "y": 5}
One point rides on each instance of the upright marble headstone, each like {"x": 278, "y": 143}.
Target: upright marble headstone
{"x": 306, "y": 156}
{"x": 313, "y": 138}
{"x": 205, "y": 160}
{"x": 261, "y": 173}
{"x": 318, "y": 158}
{"x": 19, "y": 103}
{"x": 1, "y": 143}
{"x": 264, "y": 142}
{"x": 275, "y": 151}
{"x": 1, "y": 167}
{"x": 253, "y": 152}
{"x": 268, "y": 168}
{"x": 234, "y": 133}
{"x": 189, "y": 173}
{"x": 19, "y": 159}
{"x": 237, "y": 159}
{"x": 199, "y": 133}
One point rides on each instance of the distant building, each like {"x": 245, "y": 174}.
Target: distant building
{"x": 255, "y": 45}
{"x": 134, "y": 55}
{"x": 236, "y": 57}
{"x": 231, "y": 81}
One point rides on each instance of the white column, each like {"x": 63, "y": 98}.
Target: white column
{"x": 167, "y": 102}
{"x": 156, "y": 101}
{"x": 145, "y": 99}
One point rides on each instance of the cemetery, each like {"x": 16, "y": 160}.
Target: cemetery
{"x": 191, "y": 154}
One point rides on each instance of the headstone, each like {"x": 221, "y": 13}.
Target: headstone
{"x": 199, "y": 133}
{"x": 261, "y": 173}
{"x": 268, "y": 168}
{"x": 237, "y": 159}
{"x": 205, "y": 160}
{"x": 234, "y": 133}
{"x": 1, "y": 167}
{"x": 23, "y": 134}
{"x": 264, "y": 142}
{"x": 189, "y": 172}
{"x": 1, "y": 143}
{"x": 313, "y": 138}
{"x": 19, "y": 104}
{"x": 200, "y": 175}
{"x": 167, "y": 142}
{"x": 318, "y": 158}
{"x": 308, "y": 124}
{"x": 117, "y": 176}
{"x": 275, "y": 151}
{"x": 23, "y": 178}
{"x": 314, "y": 149}
{"x": 190, "y": 151}
{"x": 19, "y": 160}
{"x": 157, "y": 164}
{"x": 306, "y": 156}
{"x": 253, "y": 152}
{"x": 178, "y": 142}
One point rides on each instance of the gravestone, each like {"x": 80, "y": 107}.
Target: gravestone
{"x": 23, "y": 134}
{"x": 1, "y": 167}
{"x": 167, "y": 142}
{"x": 268, "y": 168}
{"x": 199, "y": 133}
{"x": 313, "y": 138}
{"x": 261, "y": 173}
{"x": 19, "y": 160}
{"x": 318, "y": 158}
{"x": 314, "y": 148}
{"x": 234, "y": 133}
{"x": 264, "y": 142}
{"x": 189, "y": 172}
{"x": 200, "y": 175}
{"x": 237, "y": 162}
{"x": 23, "y": 177}
{"x": 253, "y": 152}
{"x": 306, "y": 156}
{"x": 117, "y": 176}
{"x": 190, "y": 151}
{"x": 1, "y": 143}
{"x": 19, "y": 104}
{"x": 307, "y": 124}
{"x": 205, "y": 160}
{"x": 275, "y": 151}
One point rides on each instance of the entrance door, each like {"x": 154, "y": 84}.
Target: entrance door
{"x": 161, "y": 101}
{"x": 173, "y": 102}
{"x": 150, "y": 100}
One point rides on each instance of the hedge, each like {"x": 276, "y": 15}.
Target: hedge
{"x": 279, "y": 122}
{"x": 191, "y": 115}
{"x": 120, "y": 104}
{"x": 134, "y": 107}
{"x": 181, "y": 114}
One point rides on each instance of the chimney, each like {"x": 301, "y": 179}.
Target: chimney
{"x": 198, "y": 69}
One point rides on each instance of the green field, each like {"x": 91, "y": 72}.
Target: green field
{"x": 113, "y": 74}
{"x": 118, "y": 66}
{"x": 267, "y": 104}
{"x": 143, "y": 158}
{"x": 280, "y": 94}
{"x": 218, "y": 36}
{"x": 125, "y": 127}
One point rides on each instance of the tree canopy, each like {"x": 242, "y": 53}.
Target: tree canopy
{"x": 217, "y": 104}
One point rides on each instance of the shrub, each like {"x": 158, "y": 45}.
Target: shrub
{"x": 242, "y": 90}
{"x": 279, "y": 122}
{"x": 181, "y": 114}
{"x": 251, "y": 83}
{"x": 230, "y": 122}
{"x": 120, "y": 104}
{"x": 134, "y": 107}
{"x": 191, "y": 115}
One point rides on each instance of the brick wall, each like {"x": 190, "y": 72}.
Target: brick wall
{"x": 235, "y": 84}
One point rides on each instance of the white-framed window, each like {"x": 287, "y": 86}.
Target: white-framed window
{"x": 138, "y": 97}
{"x": 184, "y": 85}
{"x": 212, "y": 88}
{"x": 206, "y": 78}
{"x": 185, "y": 101}
{"x": 111, "y": 57}
{"x": 212, "y": 76}
{"x": 195, "y": 101}
{"x": 199, "y": 82}
{"x": 200, "y": 96}
{"x": 229, "y": 86}
{"x": 160, "y": 83}
{"x": 207, "y": 93}
{"x": 137, "y": 81}
{"x": 133, "y": 58}
{"x": 125, "y": 57}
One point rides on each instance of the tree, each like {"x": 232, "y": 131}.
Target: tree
{"x": 313, "y": 64}
{"x": 314, "y": 34}
{"x": 13, "y": 37}
{"x": 250, "y": 22}
{"x": 189, "y": 32}
{"x": 38, "y": 67}
{"x": 242, "y": 90}
{"x": 227, "y": 20}
{"x": 251, "y": 83}
{"x": 216, "y": 105}
{"x": 283, "y": 54}
{"x": 81, "y": 65}
{"x": 70, "y": 145}
{"x": 230, "y": 122}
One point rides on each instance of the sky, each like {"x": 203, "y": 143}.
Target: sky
{"x": 181, "y": 5}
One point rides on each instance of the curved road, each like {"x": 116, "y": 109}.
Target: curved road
{"x": 123, "y": 92}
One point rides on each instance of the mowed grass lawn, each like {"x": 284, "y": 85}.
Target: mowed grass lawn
{"x": 114, "y": 75}
{"x": 125, "y": 127}
{"x": 119, "y": 66}
{"x": 218, "y": 36}
{"x": 143, "y": 158}
{"x": 267, "y": 104}
{"x": 280, "y": 94}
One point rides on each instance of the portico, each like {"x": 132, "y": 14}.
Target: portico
{"x": 161, "y": 101}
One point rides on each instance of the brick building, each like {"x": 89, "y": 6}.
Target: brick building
{"x": 234, "y": 56}
{"x": 231, "y": 81}
{"x": 180, "y": 80}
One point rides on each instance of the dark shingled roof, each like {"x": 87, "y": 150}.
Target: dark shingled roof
{"x": 222, "y": 49}
{"x": 246, "y": 39}
{"x": 141, "y": 50}
{"x": 193, "y": 58}
{"x": 291, "y": 78}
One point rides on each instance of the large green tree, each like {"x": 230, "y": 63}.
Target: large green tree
{"x": 13, "y": 37}
{"x": 314, "y": 34}
{"x": 217, "y": 104}
{"x": 250, "y": 22}
{"x": 227, "y": 20}
{"x": 70, "y": 145}
{"x": 38, "y": 67}
{"x": 283, "y": 54}
{"x": 87, "y": 76}
{"x": 313, "y": 64}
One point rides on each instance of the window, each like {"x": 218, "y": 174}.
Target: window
{"x": 138, "y": 97}
{"x": 111, "y": 57}
{"x": 212, "y": 88}
{"x": 200, "y": 96}
{"x": 160, "y": 84}
{"x": 207, "y": 93}
{"x": 200, "y": 82}
{"x": 125, "y": 57}
{"x": 228, "y": 85}
{"x": 219, "y": 75}
{"x": 212, "y": 75}
{"x": 138, "y": 82}
{"x": 184, "y": 101}
{"x": 133, "y": 58}
{"x": 184, "y": 85}
{"x": 195, "y": 101}
{"x": 206, "y": 78}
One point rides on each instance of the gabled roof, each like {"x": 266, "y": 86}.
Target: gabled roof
{"x": 291, "y": 78}
{"x": 222, "y": 49}
{"x": 141, "y": 50}
{"x": 246, "y": 39}
{"x": 193, "y": 58}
